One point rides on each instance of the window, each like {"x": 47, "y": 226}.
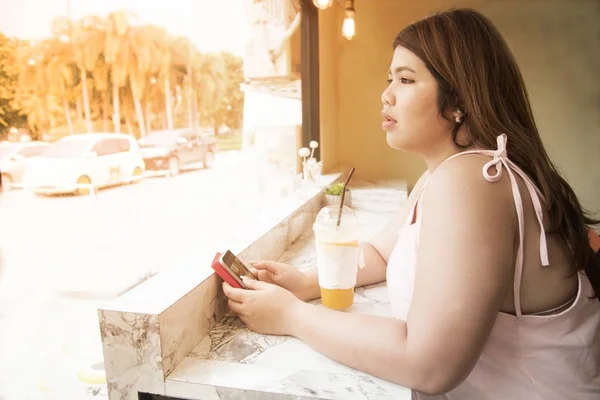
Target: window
{"x": 32, "y": 151}
{"x": 124, "y": 145}
{"x": 107, "y": 147}
{"x": 240, "y": 82}
{"x": 67, "y": 148}
{"x": 111, "y": 146}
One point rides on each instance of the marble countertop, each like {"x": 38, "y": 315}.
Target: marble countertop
{"x": 234, "y": 362}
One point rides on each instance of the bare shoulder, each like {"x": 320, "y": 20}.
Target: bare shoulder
{"x": 459, "y": 184}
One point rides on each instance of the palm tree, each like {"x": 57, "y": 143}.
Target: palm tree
{"x": 178, "y": 72}
{"x": 211, "y": 83}
{"x": 232, "y": 103}
{"x": 34, "y": 97}
{"x": 117, "y": 55}
{"x": 129, "y": 54}
{"x": 61, "y": 66}
{"x": 141, "y": 59}
{"x": 165, "y": 72}
{"x": 162, "y": 67}
{"x": 156, "y": 95}
{"x": 88, "y": 37}
{"x": 185, "y": 57}
{"x": 128, "y": 109}
{"x": 59, "y": 72}
{"x": 101, "y": 83}
{"x": 138, "y": 73}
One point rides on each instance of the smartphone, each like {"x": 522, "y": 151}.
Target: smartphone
{"x": 231, "y": 269}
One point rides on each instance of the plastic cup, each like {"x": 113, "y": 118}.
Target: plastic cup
{"x": 337, "y": 256}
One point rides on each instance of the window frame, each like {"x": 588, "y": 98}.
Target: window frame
{"x": 309, "y": 67}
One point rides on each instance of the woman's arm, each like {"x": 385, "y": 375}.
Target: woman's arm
{"x": 464, "y": 272}
{"x": 372, "y": 344}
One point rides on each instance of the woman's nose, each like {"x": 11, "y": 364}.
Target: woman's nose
{"x": 387, "y": 99}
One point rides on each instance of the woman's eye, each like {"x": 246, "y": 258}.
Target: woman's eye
{"x": 405, "y": 80}
{"x": 389, "y": 81}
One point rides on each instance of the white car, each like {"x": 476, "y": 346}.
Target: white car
{"x": 14, "y": 158}
{"x": 79, "y": 163}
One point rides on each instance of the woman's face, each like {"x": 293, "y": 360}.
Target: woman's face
{"x": 411, "y": 117}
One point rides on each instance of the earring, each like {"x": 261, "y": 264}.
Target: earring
{"x": 458, "y": 117}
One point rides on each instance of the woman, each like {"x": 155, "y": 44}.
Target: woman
{"x": 491, "y": 277}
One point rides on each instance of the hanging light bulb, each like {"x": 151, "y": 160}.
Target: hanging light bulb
{"x": 348, "y": 28}
{"x": 322, "y": 4}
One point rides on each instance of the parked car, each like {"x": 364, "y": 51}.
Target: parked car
{"x": 171, "y": 150}
{"x": 77, "y": 162}
{"x": 14, "y": 158}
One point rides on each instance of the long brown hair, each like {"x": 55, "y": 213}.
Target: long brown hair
{"x": 477, "y": 73}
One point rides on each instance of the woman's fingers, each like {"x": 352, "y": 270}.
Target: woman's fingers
{"x": 235, "y": 294}
{"x": 235, "y": 307}
{"x": 270, "y": 266}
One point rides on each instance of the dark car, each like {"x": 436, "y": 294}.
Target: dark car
{"x": 172, "y": 150}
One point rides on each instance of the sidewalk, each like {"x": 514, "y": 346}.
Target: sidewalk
{"x": 27, "y": 326}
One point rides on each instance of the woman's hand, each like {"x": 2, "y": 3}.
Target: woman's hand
{"x": 265, "y": 308}
{"x": 305, "y": 286}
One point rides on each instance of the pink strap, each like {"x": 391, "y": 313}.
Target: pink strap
{"x": 500, "y": 160}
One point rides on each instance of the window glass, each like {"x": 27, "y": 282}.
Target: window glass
{"x": 124, "y": 145}
{"x": 222, "y": 73}
{"x": 31, "y": 151}
{"x": 107, "y": 147}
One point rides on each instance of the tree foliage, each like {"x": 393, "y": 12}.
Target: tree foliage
{"x": 111, "y": 73}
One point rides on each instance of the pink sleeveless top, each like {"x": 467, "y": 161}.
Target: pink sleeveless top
{"x": 547, "y": 356}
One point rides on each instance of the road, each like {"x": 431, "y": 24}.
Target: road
{"x": 63, "y": 256}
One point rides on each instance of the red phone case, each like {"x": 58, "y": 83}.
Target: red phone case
{"x": 223, "y": 273}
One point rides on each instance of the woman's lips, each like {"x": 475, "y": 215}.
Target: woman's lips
{"x": 388, "y": 122}
{"x": 387, "y": 125}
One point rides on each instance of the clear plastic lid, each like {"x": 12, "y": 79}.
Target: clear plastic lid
{"x": 328, "y": 216}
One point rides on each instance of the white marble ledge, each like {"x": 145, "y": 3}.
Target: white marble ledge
{"x": 233, "y": 362}
{"x": 157, "y": 294}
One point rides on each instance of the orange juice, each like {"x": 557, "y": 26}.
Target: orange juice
{"x": 337, "y": 299}
{"x": 337, "y": 256}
